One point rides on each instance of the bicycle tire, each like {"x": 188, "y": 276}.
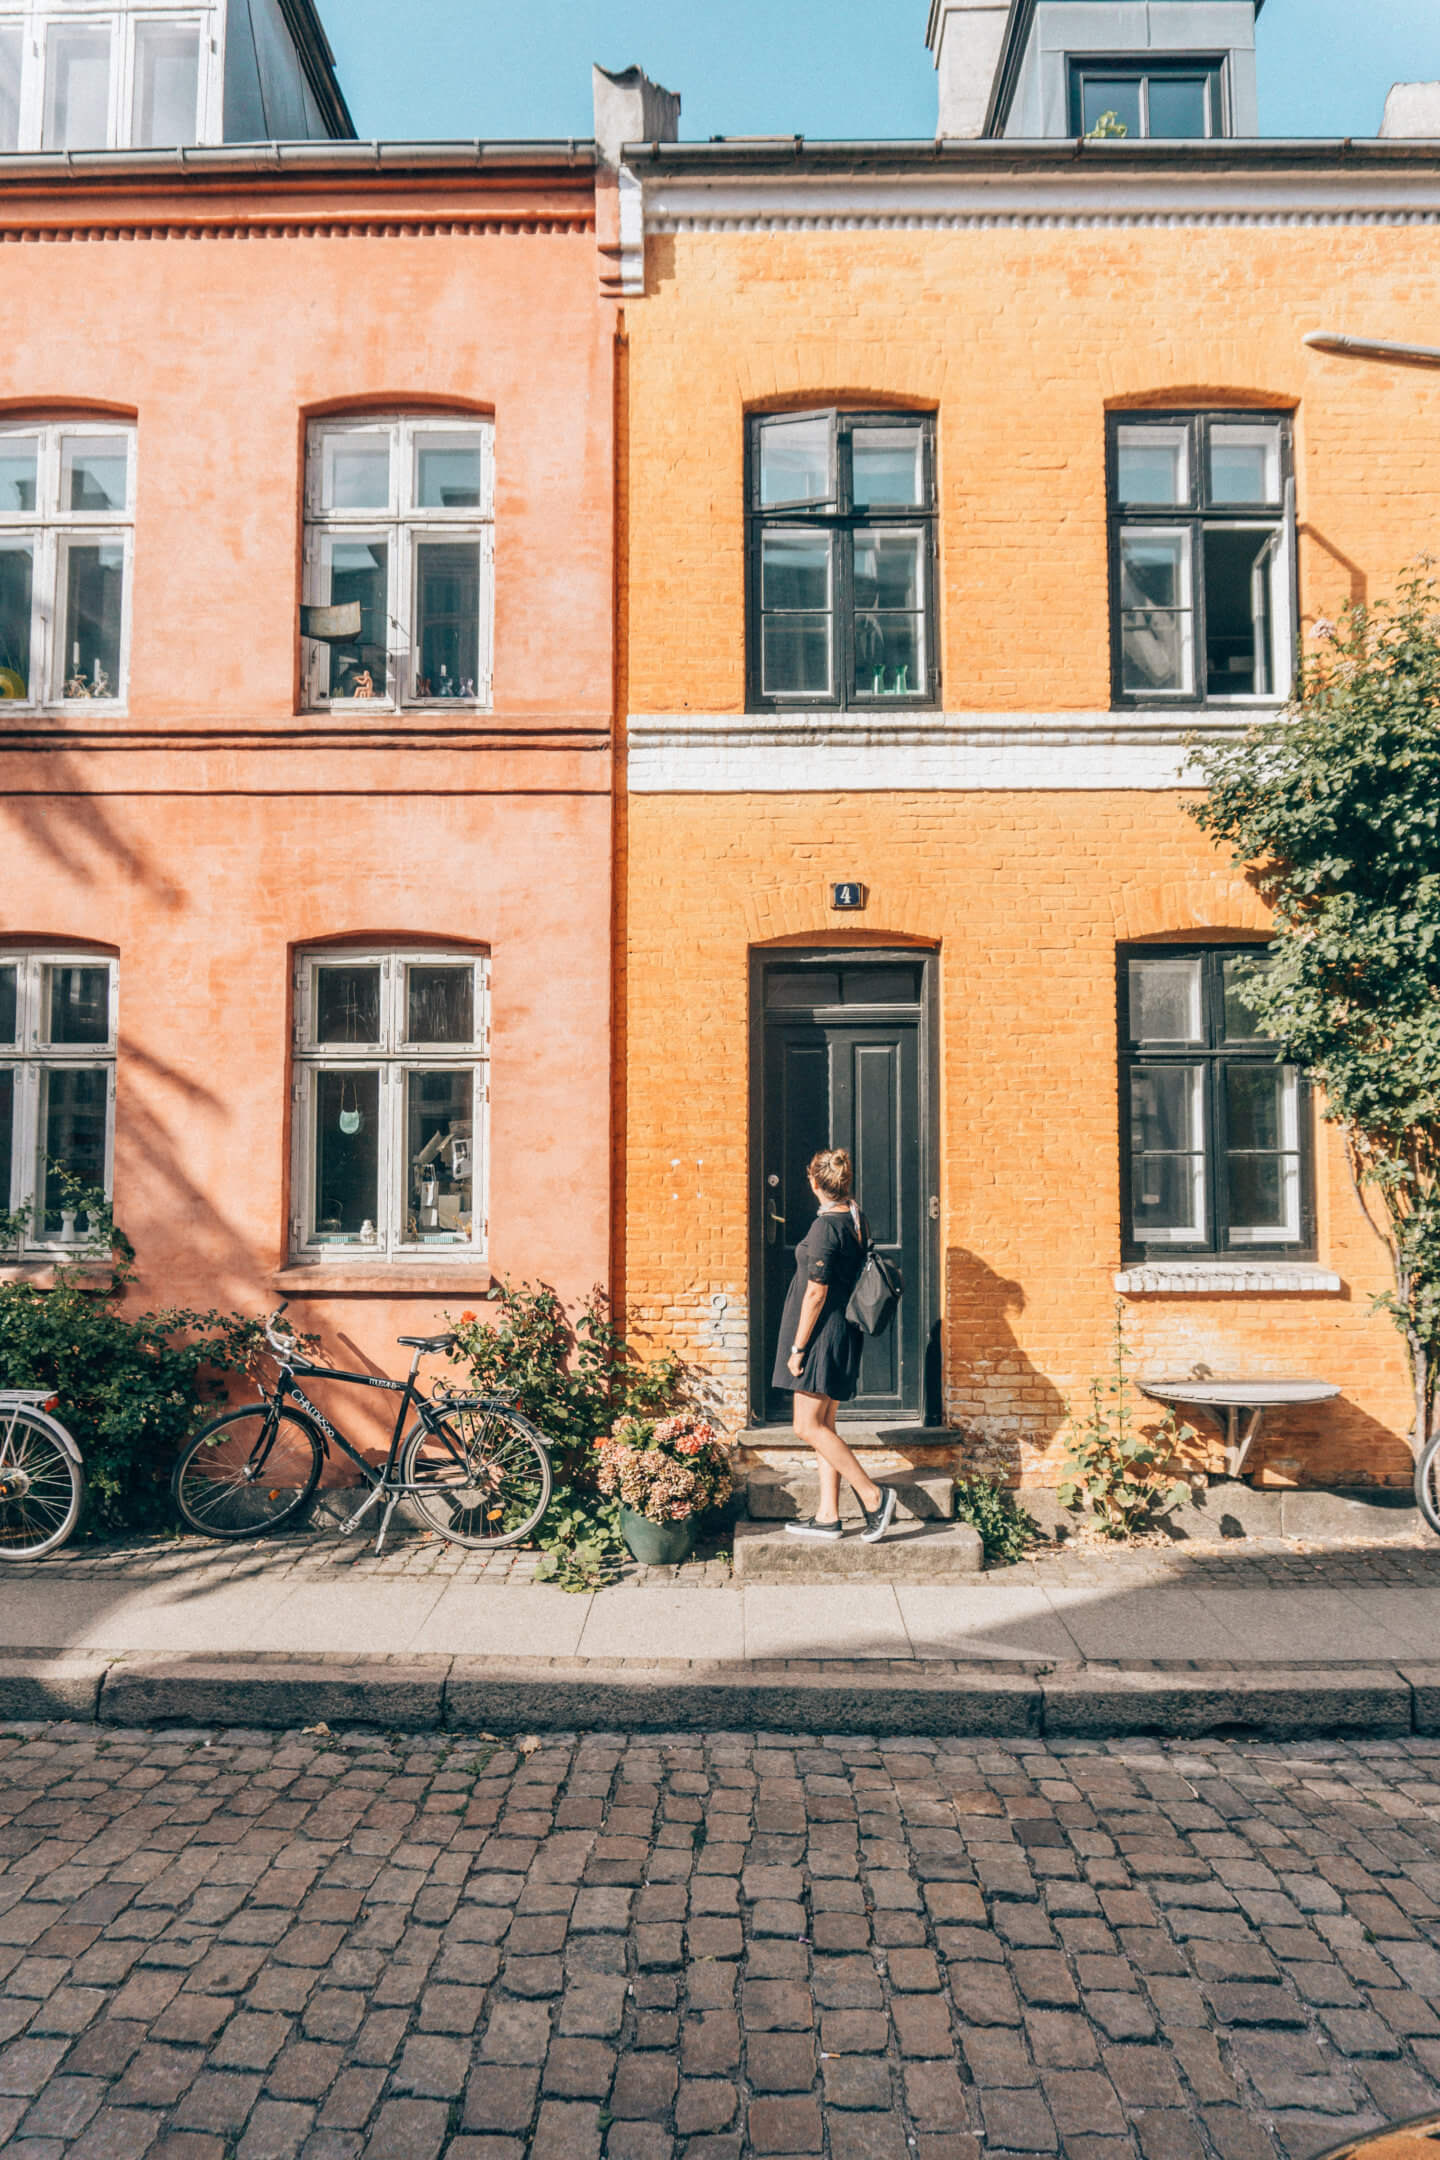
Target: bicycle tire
{"x": 484, "y": 1481}
{"x": 1427, "y": 1483}
{"x": 216, "y": 1486}
{"x": 42, "y": 1487}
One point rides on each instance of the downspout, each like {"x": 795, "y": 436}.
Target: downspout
{"x": 1374, "y": 348}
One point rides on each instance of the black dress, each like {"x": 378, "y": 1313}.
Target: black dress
{"x": 831, "y": 1253}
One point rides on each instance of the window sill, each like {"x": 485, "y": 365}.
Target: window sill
{"x": 1228, "y": 1278}
{"x": 467, "y": 1276}
{"x": 45, "y": 1275}
{"x": 382, "y": 709}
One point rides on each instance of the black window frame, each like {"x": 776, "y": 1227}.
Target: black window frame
{"x": 1197, "y": 516}
{"x": 841, "y": 519}
{"x": 1216, "y": 1054}
{"x": 1141, "y": 68}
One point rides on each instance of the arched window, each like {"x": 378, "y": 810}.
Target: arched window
{"x": 57, "y": 1093}
{"x": 391, "y": 1087}
{"x": 399, "y": 562}
{"x": 67, "y": 493}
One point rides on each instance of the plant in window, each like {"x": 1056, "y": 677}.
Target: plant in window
{"x": 1114, "y": 1472}
{"x": 1333, "y": 811}
{"x": 1108, "y": 128}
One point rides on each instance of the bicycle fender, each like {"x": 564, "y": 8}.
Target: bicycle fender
{"x": 58, "y": 1432}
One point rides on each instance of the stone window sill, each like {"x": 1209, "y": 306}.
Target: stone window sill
{"x": 1228, "y": 1278}
{"x": 45, "y": 1275}
{"x": 457, "y": 1279}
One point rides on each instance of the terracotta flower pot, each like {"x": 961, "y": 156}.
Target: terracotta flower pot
{"x": 656, "y": 1544}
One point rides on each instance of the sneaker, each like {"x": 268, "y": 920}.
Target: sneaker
{"x": 826, "y": 1533}
{"x": 878, "y": 1520}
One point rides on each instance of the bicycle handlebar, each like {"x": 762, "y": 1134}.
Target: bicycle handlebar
{"x": 286, "y": 1346}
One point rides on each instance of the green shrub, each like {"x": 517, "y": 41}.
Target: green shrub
{"x": 574, "y": 1382}
{"x": 1006, "y": 1528}
{"x": 1114, "y": 1471}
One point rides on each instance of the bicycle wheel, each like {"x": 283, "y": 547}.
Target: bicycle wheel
{"x": 42, "y": 1490}
{"x": 246, "y": 1473}
{"x": 1427, "y": 1483}
{"x": 481, "y": 1477}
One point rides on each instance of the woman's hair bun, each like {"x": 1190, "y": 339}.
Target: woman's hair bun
{"x": 833, "y": 1171}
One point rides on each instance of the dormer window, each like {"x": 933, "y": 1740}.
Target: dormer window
{"x": 84, "y": 75}
{"x": 1149, "y": 98}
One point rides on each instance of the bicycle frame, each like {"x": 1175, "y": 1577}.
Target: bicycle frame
{"x": 383, "y": 1483}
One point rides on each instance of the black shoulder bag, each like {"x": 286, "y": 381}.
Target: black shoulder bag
{"x": 879, "y": 1290}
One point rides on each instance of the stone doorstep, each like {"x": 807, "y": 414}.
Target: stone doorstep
{"x": 786, "y": 1495}
{"x": 914, "y": 1553}
{"x": 936, "y": 1696}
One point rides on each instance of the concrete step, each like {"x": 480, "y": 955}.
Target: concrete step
{"x": 911, "y": 1552}
{"x": 785, "y": 1495}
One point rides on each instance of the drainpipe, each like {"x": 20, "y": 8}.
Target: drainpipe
{"x": 1375, "y": 348}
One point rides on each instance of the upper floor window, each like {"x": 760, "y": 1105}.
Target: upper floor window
{"x": 57, "y": 1092}
{"x": 840, "y": 523}
{"x": 1202, "y": 523}
{"x": 77, "y": 76}
{"x": 391, "y": 1082}
{"x": 1171, "y": 100}
{"x": 1216, "y": 1131}
{"x": 66, "y": 542}
{"x": 399, "y": 562}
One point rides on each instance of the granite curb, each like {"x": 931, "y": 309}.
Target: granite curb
{"x": 890, "y": 1697}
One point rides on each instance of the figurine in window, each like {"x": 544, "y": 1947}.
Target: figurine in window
{"x": 363, "y": 685}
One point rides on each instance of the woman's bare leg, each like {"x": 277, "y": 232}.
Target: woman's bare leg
{"x": 815, "y": 1425}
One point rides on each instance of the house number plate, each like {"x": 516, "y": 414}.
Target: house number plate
{"x": 847, "y": 896}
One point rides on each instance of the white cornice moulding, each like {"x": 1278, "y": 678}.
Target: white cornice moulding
{"x": 1227, "y": 1278}
{"x": 1065, "y": 199}
{"x": 795, "y": 753}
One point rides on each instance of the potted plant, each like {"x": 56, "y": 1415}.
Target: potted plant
{"x": 664, "y": 1473}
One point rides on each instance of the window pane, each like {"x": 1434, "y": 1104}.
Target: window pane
{"x": 888, "y": 468}
{"x": 797, "y": 462}
{"x": 347, "y": 1004}
{"x": 1262, "y": 1163}
{"x": 1167, "y": 1171}
{"x": 1179, "y": 107}
{"x": 447, "y": 618}
{"x": 447, "y": 473}
{"x": 10, "y": 60}
{"x": 17, "y": 580}
{"x": 795, "y": 657}
{"x": 78, "y": 1004}
{"x": 795, "y": 571}
{"x": 1106, "y": 97}
{"x": 7, "y": 1134}
{"x": 1244, "y": 464}
{"x": 1239, "y": 612}
{"x": 439, "y": 1139}
{"x": 360, "y": 570}
{"x": 1241, "y": 1025}
{"x": 889, "y": 628}
{"x": 357, "y": 472}
{"x": 347, "y": 1156}
{"x": 441, "y": 1004}
{"x": 1153, "y": 466}
{"x": 1165, "y": 1004}
{"x": 167, "y": 85}
{"x": 9, "y": 1004}
{"x": 1156, "y": 627}
{"x": 95, "y": 474}
{"x": 19, "y": 460}
{"x": 77, "y": 89}
{"x": 72, "y": 1138}
{"x": 94, "y": 606}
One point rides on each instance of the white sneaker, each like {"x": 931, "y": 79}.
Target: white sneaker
{"x": 823, "y": 1533}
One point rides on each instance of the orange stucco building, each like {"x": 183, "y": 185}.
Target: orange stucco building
{"x": 307, "y": 920}
{"x": 963, "y": 482}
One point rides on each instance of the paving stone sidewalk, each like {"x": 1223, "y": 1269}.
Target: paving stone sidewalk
{"x": 237, "y": 1946}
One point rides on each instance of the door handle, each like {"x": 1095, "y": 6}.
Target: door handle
{"x": 774, "y": 1221}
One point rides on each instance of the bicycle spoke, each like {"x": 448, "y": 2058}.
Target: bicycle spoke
{"x": 39, "y": 1489}
{"x": 479, "y": 1475}
{"x": 246, "y": 1474}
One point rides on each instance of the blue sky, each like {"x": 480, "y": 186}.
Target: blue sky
{"x": 822, "y": 68}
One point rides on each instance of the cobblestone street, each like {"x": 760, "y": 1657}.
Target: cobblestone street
{"x": 218, "y": 1943}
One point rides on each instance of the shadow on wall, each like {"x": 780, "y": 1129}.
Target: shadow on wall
{"x": 70, "y": 825}
{"x": 1005, "y": 1406}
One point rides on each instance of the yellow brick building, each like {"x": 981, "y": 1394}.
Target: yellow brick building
{"x": 1053, "y": 415}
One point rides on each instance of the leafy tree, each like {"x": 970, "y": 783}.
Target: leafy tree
{"x": 1335, "y": 808}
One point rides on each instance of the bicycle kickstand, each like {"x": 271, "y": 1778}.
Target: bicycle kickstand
{"x": 385, "y": 1525}
{"x": 363, "y": 1510}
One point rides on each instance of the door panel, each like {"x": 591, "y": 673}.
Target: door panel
{"x": 831, "y": 1078}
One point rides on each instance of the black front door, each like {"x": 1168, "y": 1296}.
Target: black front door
{"x": 842, "y": 1065}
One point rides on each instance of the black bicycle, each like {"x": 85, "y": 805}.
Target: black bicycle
{"x": 473, "y": 1467}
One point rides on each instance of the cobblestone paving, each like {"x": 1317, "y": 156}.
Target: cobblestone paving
{"x": 238, "y": 1946}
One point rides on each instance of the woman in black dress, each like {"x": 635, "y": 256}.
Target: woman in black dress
{"x": 818, "y": 1355}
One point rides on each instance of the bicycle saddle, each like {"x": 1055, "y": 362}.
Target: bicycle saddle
{"x": 425, "y": 1342}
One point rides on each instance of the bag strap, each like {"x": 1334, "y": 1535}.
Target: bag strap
{"x": 862, "y": 1229}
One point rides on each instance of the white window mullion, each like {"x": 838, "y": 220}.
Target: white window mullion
{"x": 400, "y": 633}
{"x": 27, "y": 1148}
{"x": 391, "y": 1196}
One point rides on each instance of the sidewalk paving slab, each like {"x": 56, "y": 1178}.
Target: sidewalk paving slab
{"x": 1000, "y": 1621}
{"x": 824, "y": 1620}
{"x": 664, "y": 1623}
{"x": 480, "y": 1619}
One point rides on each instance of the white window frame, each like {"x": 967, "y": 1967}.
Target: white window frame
{"x": 36, "y": 19}
{"x": 393, "y": 1057}
{"x": 403, "y": 526}
{"x": 50, "y": 530}
{"x": 30, "y": 1057}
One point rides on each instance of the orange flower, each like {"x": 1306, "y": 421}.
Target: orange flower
{"x": 467, "y": 1319}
